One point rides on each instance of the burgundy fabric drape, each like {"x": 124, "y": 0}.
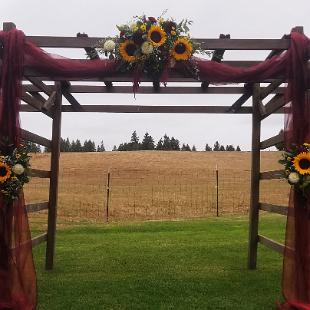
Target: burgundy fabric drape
{"x": 17, "y": 272}
{"x": 14, "y": 226}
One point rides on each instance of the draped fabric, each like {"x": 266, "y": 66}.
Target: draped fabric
{"x": 17, "y": 276}
{"x": 17, "y": 272}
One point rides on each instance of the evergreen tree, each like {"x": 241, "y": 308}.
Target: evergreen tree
{"x": 216, "y": 146}
{"x": 222, "y": 148}
{"x": 194, "y": 148}
{"x": 208, "y": 148}
{"x": 166, "y": 143}
{"x": 114, "y": 148}
{"x": 174, "y": 144}
{"x": 238, "y": 148}
{"x": 159, "y": 145}
{"x": 185, "y": 147}
{"x": 77, "y": 146}
{"x": 147, "y": 142}
{"x": 134, "y": 142}
{"x": 89, "y": 146}
{"x": 229, "y": 148}
{"x": 101, "y": 148}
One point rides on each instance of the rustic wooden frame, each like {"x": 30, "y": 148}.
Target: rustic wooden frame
{"x": 34, "y": 87}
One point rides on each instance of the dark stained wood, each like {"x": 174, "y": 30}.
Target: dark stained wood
{"x": 34, "y": 103}
{"x": 155, "y": 109}
{"x": 7, "y": 26}
{"x": 38, "y": 240}
{"x": 38, "y": 97}
{"x": 273, "y": 105}
{"x": 65, "y": 91}
{"x": 39, "y": 83}
{"x": 47, "y": 105}
{"x": 38, "y": 173}
{"x": 150, "y": 90}
{"x": 29, "y": 136}
{"x": 248, "y": 88}
{"x": 255, "y": 164}
{"x": 271, "y": 244}
{"x": 53, "y": 191}
{"x": 271, "y": 88}
{"x": 272, "y": 175}
{"x": 283, "y": 210}
{"x": 35, "y": 207}
{"x": 209, "y": 44}
{"x": 272, "y": 141}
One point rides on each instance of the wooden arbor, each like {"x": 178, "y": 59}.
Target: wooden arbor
{"x": 35, "y": 86}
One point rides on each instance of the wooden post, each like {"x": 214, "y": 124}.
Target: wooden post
{"x": 217, "y": 190}
{"x": 53, "y": 191}
{"x": 108, "y": 198}
{"x": 255, "y": 171}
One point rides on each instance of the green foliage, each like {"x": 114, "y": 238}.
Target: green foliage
{"x": 161, "y": 265}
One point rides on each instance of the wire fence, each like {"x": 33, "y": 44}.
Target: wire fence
{"x": 135, "y": 194}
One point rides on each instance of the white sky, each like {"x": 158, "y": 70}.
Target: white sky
{"x": 239, "y": 18}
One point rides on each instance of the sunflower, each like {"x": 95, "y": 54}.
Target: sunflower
{"x": 182, "y": 49}
{"x": 5, "y": 172}
{"x": 157, "y": 35}
{"x": 128, "y": 50}
{"x": 301, "y": 163}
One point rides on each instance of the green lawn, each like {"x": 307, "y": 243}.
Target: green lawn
{"x": 161, "y": 265}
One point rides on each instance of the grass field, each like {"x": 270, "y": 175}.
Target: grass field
{"x": 197, "y": 264}
{"x": 154, "y": 185}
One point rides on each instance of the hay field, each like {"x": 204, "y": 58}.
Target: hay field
{"x": 154, "y": 185}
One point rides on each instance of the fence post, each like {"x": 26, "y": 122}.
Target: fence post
{"x": 108, "y": 197}
{"x": 217, "y": 190}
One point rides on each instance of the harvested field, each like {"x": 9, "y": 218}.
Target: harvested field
{"x": 154, "y": 185}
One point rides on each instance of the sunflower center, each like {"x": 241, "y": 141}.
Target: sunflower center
{"x": 131, "y": 49}
{"x": 3, "y": 171}
{"x": 155, "y": 36}
{"x": 304, "y": 163}
{"x": 180, "y": 48}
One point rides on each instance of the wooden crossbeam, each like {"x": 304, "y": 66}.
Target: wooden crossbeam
{"x": 271, "y": 88}
{"x": 38, "y": 173}
{"x": 34, "y": 103}
{"x": 65, "y": 89}
{"x": 155, "y": 109}
{"x": 217, "y": 56}
{"x": 248, "y": 90}
{"x": 48, "y": 104}
{"x": 39, "y": 83}
{"x": 39, "y": 239}
{"x": 150, "y": 90}
{"x": 279, "y": 138}
{"x": 36, "y": 207}
{"x": 283, "y": 210}
{"x": 208, "y": 44}
{"x": 272, "y": 175}
{"x": 271, "y": 244}
{"x": 29, "y": 136}
{"x": 275, "y": 103}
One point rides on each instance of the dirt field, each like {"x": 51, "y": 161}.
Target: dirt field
{"x": 151, "y": 185}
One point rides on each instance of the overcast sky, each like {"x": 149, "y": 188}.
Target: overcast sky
{"x": 239, "y": 18}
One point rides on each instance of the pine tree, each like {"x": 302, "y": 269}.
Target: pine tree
{"x": 238, "y": 148}
{"x": 174, "y": 144}
{"x": 229, "y": 148}
{"x": 216, "y": 146}
{"x": 78, "y": 146}
{"x": 194, "y": 148}
{"x": 222, "y": 148}
{"x": 134, "y": 142}
{"x": 101, "y": 148}
{"x": 114, "y": 148}
{"x": 166, "y": 143}
{"x": 147, "y": 142}
{"x": 159, "y": 145}
{"x": 208, "y": 148}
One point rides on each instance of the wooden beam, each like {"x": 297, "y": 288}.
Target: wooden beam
{"x": 155, "y": 109}
{"x": 48, "y": 104}
{"x": 65, "y": 86}
{"x": 38, "y": 173}
{"x": 272, "y": 175}
{"x": 279, "y": 138}
{"x": 36, "y": 207}
{"x": 273, "y": 105}
{"x": 39, "y": 83}
{"x": 150, "y": 90}
{"x": 34, "y": 103}
{"x": 283, "y": 210}
{"x": 53, "y": 191}
{"x": 271, "y": 88}
{"x": 255, "y": 169}
{"x": 240, "y": 101}
{"x": 271, "y": 244}
{"x": 29, "y": 136}
{"x": 7, "y": 26}
{"x": 208, "y": 44}
{"x": 38, "y": 240}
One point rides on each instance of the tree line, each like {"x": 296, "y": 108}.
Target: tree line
{"x": 165, "y": 143}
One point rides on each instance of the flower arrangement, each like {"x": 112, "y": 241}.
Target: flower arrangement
{"x": 296, "y": 161}
{"x": 13, "y": 172}
{"x": 150, "y": 45}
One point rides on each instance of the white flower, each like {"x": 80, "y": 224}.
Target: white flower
{"x": 133, "y": 26}
{"x": 293, "y": 178}
{"x": 18, "y": 169}
{"x": 147, "y": 48}
{"x": 172, "y": 62}
{"x": 109, "y": 45}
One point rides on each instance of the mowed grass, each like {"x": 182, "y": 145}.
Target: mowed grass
{"x": 197, "y": 264}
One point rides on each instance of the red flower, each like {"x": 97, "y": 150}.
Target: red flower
{"x": 152, "y": 20}
{"x": 122, "y": 33}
